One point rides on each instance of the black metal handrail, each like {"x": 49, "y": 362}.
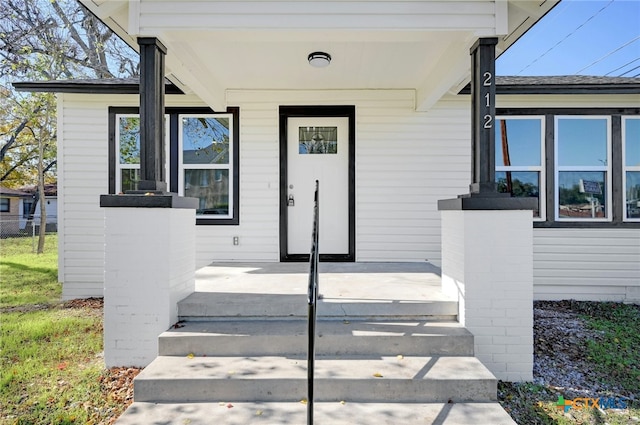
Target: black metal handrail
{"x": 312, "y": 299}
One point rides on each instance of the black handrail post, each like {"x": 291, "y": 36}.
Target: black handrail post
{"x": 312, "y": 299}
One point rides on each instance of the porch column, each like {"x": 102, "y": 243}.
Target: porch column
{"x": 149, "y": 238}
{"x": 152, "y": 160}
{"x": 487, "y": 243}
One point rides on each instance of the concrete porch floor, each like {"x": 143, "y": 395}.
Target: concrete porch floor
{"x": 346, "y": 290}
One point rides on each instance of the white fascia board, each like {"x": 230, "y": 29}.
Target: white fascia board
{"x": 502, "y": 17}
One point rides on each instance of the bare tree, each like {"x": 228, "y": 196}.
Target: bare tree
{"x": 47, "y": 40}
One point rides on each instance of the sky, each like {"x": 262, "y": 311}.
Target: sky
{"x": 579, "y": 37}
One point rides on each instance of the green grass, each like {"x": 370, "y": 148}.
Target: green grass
{"x": 50, "y": 356}
{"x": 27, "y": 278}
{"x": 617, "y": 353}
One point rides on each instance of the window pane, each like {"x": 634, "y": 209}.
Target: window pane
{"x": 520, "y": 184}
{"x": 317, "y": 140}
{"x": 632, "y": 142}
{"x": 205, "y": 140}
{"x": 211, "y": 187}
{"x": 129, "y": 178}
{"x": 582, "y": 142}
{"x": 129, "y": 132}
{"x": 578, "y": 194}
{"x": 633, "y": 194}
{"x": 5, "y": 204}
{"x": 518, "y": 142}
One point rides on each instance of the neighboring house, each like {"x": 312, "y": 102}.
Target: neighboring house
{"x": 31, "y": 206}
{"x": 11, "y": 207}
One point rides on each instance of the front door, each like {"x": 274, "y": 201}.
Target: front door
{"x": 318, "y": 148}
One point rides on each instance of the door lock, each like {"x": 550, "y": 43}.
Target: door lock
{"x": 290, "y": 201}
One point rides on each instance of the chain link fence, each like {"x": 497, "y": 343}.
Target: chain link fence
{"x": 12, "y": 228}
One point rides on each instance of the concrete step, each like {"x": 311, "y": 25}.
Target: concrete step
{"x": 209, "y": 306}
{"x": 283, "y": 378}
{"x": 348, "y": 413}
{"x": 337, "y": 338}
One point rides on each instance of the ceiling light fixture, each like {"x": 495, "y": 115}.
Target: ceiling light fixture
{"x": 319, "y": 59}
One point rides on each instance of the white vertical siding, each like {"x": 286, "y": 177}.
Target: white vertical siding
{"x": 587, "y": 264}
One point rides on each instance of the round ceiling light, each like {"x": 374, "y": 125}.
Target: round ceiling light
{"x": 319, "y": 59}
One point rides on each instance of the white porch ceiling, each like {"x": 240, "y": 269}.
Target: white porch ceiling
{"x": 215, "y": 46}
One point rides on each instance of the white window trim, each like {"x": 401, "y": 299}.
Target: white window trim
{"x": 120, "y": 167}
{"x": 182, "y": 167}
{"x": 626, "y": 168}
{"x": 606, "y": 168}
{"x": 541, "y": 169}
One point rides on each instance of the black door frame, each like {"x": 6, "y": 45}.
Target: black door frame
{"x": 286, "y": 112}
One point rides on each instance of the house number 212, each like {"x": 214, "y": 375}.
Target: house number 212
{"x": 488, "y": 119}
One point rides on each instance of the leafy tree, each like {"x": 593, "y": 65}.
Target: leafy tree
{"x": 47, "y": 40}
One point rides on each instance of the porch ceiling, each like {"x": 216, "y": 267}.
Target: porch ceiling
{"x": 422, "y": 46}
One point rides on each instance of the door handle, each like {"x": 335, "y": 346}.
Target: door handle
{"x": 290, "y": 201}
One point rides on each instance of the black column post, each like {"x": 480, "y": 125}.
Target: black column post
{"x": 483, "y": 114}
{"x": 483, "y": 190}
{"x": 152, "y": 156}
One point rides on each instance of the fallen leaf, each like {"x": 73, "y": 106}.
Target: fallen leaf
{"x": 190, "y": 355}
{"x": 343, "y": 402}
{"x": 377, "y": 375}
{"x": 303, "y": 401}
{"x": 400, "y": 357}
{"x": 259, "y": 413}
{"x": 62, "y": 366}
{"x": 229, "y": 406}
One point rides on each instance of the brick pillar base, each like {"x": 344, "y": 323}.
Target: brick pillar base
{"x": 487, "y": 262}
{"x": 149, "y": 267}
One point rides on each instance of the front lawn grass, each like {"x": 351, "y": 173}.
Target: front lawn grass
{"x": 51, "y": 365}
{"x": 27, "y": 278}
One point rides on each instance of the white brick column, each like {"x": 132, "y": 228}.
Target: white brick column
{"x": 487, "y": 262}
{"x": 149, "y": 267}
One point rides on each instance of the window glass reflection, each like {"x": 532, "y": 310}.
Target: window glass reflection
{"x": 632, "y": 142}
{"x": 633, "y": 194}
{"x": 205, "y": 140}
{"x": 582, "y": 142}
{"x": 518, "y": 142}
{"x": 582, "y": 194}
{"x": 520, "y": 184}
{"x": 211, "y": 187}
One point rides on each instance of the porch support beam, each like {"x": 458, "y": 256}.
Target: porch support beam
{"x": 152, "y": 160}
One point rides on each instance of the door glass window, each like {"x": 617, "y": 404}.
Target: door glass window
{"x": 317, "y": 140}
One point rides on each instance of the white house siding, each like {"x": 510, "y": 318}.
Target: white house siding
{"x": 405, "y": 162}
{"x": 587, "y": 264}
{"x": 83, "y": 176}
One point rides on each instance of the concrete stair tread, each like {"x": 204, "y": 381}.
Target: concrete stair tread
{"x": 329, "y": 413}
{"x": 324, "y": 328}
{"x": 261, "y": 306}
{"x": 295, "y": 367}
{"x": 340, "y": 338}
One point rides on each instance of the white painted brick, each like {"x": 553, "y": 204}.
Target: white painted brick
{"x": 520, "y": 349}
{"x": 489, "y": 349}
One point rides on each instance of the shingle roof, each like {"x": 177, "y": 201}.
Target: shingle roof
{"x": 564, "y": 84}
{"x": 12, "y": 192}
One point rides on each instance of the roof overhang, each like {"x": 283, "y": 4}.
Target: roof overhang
{"x": 215, "y": 46}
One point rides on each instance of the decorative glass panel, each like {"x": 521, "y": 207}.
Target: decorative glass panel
{"x": 520, "y": 184}
{"x": 205, "y": 140}
{"x": 129, "y": 138}
{"x": 318, "y": 140}
{"x": 632, "y": 142}
{"x": 633, "y": 194}
{"x": 129, "y": 178}
{"x": 518, "y": 142}
{"x": 211, "y": 187}
{"x": 582, "y": 194}
{"x": 582, "y": 142}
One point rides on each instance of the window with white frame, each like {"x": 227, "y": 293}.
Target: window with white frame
{"x": 205, "y": 166}
{"x": 519, "y": 158}
{"x": 631, "y": 167}
{"x": 202, "y": 158}
{"x": 583, "y": 168}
